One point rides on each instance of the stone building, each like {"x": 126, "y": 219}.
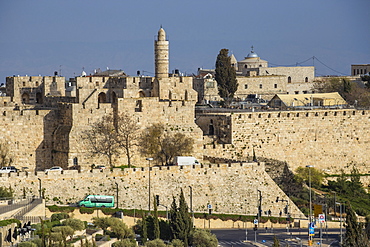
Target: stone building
{"x": 42, "y": 122}
{"x": 254, "y": 76}
{"x": 360, "y": 69}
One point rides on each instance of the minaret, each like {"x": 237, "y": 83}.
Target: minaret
{"x": 161, "y": 47}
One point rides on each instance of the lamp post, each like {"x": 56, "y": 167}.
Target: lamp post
{"x": 310, "y": 211}
{"x": 191, "y": 206}
{"x": 149, "y": 159}
{"x": 40, "y": 189}
{"x": 340, "y": 212}
{"x": 116, "y": 193}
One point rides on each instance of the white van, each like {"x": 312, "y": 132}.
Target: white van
{"x": 185, "y": 160}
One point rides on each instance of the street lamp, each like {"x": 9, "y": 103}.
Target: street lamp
{"x": 116, "y": 193}
{"x": 149, "y": 159}
{"x": 340, "y": 211}
{"x": 191, "y": 206}
{"x": 40, "y": 189}
{"x": 310, "y": 211}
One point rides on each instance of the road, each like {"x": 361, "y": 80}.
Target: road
{"x": 237, "y": 237}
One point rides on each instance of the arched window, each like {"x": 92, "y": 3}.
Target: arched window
{"x": 289, "y": 79}
{"x": 102, "y": 98}
{"x": 114, "y": 97}
{"x": 25, "y": 98}
{"x": 186, "y": 94}
{"x": 306, "y": 79}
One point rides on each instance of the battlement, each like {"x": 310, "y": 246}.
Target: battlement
{"x": 230, "y": 188}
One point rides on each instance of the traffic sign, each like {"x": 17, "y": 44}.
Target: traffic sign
{"x": 322, "y": 218}
{"x": 255, "y": 221}
{"x": 209, "y": 206}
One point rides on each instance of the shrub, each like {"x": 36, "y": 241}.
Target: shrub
{"x": 86, "y": 210}
{"x": 56, "y": 208}
{"x": 59, "y": 216}
{"x": 9, "y": 221}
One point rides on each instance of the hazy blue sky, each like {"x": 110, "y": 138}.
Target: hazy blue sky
{"x": 43, "y": 36}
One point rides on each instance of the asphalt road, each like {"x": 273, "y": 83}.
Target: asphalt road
{"x": 238, "y": 237}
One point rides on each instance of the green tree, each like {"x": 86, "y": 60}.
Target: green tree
{"x": 225, "y": 76}
{"x": 155, "y": 243}
{"x": 180, "y": 222}
{"x": 6, "y": 159}
{"x": 177, "y": 243}
{"x": 303, "y": 175}
{"x": 144, "y": 229}
{"x": 75, "y": 224}
{"x": 64, "y": 231}
{"x": 26, "y": 244}
{"x": 156, "y": 229}
{"x": 102, "y": 222}
{"x": 59, "y": 216}
{"x": 6, "y": 192}
{"x": 120, "y": 229}
{"x": 163, "y": 145}
{"x": 124, "y": 243}
{"x": 203, "y": 238}
{"x": 355, "y": 234}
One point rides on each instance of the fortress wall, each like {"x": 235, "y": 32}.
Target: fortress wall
{"x": 228, "y": 188}
{"x": 328, "y": 139}
{"x": 27, "y": 133}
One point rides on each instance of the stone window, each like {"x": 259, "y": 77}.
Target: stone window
{"x": 260, "y": 86}
{"x": 289, "y": 79}
{"x": 97, "y": 83}
{"x": 245, "y": 66}
{"x": 24, "y": 84}
{"x": 305, "y": 92}
{"x": 37, "y": 84}
{"x": 306, "y": 79}
{"x": 245, "y": 86}
{"x": 296, "y": 92}
{"x": 275, "y": 85}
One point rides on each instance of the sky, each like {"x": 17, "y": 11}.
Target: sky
{"x": 39, "y": 37}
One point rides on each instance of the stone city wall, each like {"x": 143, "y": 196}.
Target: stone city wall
{"x": 229, "y": 188}
{"x": 327, "y": 139}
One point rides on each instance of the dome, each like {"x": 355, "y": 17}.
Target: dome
{"x": 252, "y": 54}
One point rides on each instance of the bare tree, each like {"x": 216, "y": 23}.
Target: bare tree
{"x": 101, "y": 139}
{"x": 127, "y": 134}
{"x": 5, "y": 157}
{"x": 163, "y": 145}
{"x": 112, "y": 135}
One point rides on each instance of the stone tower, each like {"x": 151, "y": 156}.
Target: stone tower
{"x": 161, "y": 47}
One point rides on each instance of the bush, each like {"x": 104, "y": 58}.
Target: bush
{"x": 59, "y": 216}
{"x": 8, "y": 222}
{"x": 56, "y": 208}
{"x": 27, "y": 244}
{"x": 86, "y": 210}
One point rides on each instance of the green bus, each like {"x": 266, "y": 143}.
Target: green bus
{"x": 91, "y": 201}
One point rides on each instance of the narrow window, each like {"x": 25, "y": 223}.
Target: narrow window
{"x": 306, "y": 79}
{"x": 246, "y": 86}
{"x": 261, "y": 86}
{"x": 275, "y": 86}
{"x": 289, "y": 79}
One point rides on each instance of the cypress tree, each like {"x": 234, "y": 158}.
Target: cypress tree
{"x": 225, "y": 76}
{"x": 155, "y": 220}
{"x": 144, "y": 229}
{"x": 355, "y": 234}
{"x": 180, "y": 222}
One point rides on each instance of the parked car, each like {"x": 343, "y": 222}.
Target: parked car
{"x": 8, "y": 169}
{"x": 54, "y": 168}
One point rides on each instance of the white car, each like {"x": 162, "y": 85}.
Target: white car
{"x": 54, "y": 168}
{"x": 8, "y": 169}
